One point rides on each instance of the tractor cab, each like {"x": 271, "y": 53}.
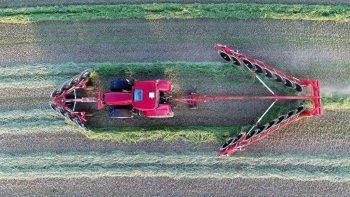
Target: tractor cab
{"x": 144, "y": 96}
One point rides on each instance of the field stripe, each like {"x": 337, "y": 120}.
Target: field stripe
{"x": 19, "y": 122}
{"x": 38, "y": 127}
{"x": 175, "y": 11}
{"x": 191, "y": 165}
{"x": 27, "y": 115}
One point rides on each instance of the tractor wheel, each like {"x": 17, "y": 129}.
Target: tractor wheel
{"x": 66, "y": 86}
{"x": 80, "y": 123}
{"x": 85, "y": 75}
{"x": 268, "y": 73}
{"x": 226, "y": 144}
{"x": 270, "y": 124}
{"x": 75, "y": 80}
{"x": 120, "y": 113}
{"x": 253, "y": 133}
{"x": 56, "y": 92}
{"x": 259, "y": 69}
{"x": 279, "y": 78}
{"x": 53, "y": 106}
{"x": 249, "y": 64}
{"x": 235, "y": 61}
{"x": 289, "y": 83}
{"x": 300, "y": 109}
{"x": 262, "y": 129}
{"x": 60, "y": 110}
{"x": 225, "y": 56}
{"x": 230, "y": 142}
{"x": 120, "y": 85}
{"x": 290, "y": 114}
{"x": 68, "y": 116}
{"x": 298, "y": 88}
{"x": 280, "y": 119}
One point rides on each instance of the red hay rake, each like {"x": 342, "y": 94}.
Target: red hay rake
{"x": 256, "y": 132}
{"x": 65, "y": 99}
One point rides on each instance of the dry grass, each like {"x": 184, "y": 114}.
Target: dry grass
{"x": 189, "y": 165}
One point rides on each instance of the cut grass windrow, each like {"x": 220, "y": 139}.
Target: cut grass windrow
{"x": 175, "y": 11}
{"x": 336, "y": 103}
{"x": 7, "y": 117}
{"x": 38, "y": 127}
{"x": 193, "y": 134}
{"x": 189, "y": 165}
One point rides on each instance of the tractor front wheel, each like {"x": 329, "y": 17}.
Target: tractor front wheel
{"x": 120, "y": 85}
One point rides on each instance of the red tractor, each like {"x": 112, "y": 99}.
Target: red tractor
{"x": 145, "y": 98}
{"x": 153, "y": 99}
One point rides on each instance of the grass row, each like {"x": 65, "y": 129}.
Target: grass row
{"x": 336, "y": 103}
{"x": 189, "y": 165}
{"x": 27, "y": 115}
{"x": 175, "y": 11}
{"x": 117, "y": 158}
{"x": 193, "y": 134}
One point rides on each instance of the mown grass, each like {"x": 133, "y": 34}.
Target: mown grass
{"x": 336, "y": 103}
{"x": 175, "y": 11}
{"x": 27, "y": 115}
{"x": 193, "y": 134}
{"x": 185, "y": 165}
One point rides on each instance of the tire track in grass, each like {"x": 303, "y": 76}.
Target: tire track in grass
{"x": 190, "y": 165}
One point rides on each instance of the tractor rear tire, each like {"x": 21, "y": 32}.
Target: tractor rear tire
{"x": 120, "y": 113}
{"x": 120, "y": 85}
